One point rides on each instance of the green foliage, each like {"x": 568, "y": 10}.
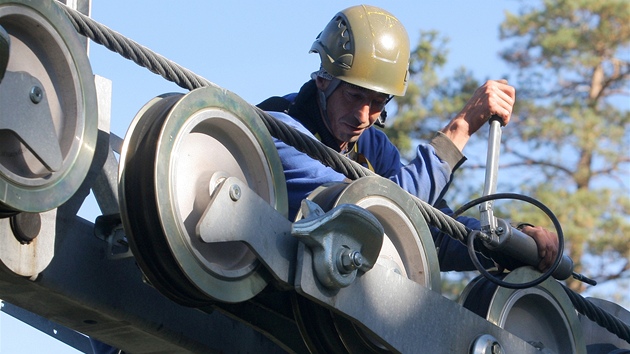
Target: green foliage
{"x": 429, "y": 101}
{"x": 568, "y": 142}
{"x": 572, "y": 58}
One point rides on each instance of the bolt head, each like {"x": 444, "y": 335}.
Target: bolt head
{"x": 235, "y": 192}
{"x": 496, "y": 348}
{"x": 36, "y": 94}
{"x": 357, "y": 259}
{"x": 350, "y": 261}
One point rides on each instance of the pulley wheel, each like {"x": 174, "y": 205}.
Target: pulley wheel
{"x": 542, "y": 315}
{"x": 408, "y": 249}
{"x": 48, "y": 110}
{"x": 177, "y": 148}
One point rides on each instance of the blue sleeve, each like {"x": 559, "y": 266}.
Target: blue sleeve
{"x": 303, "y": 174}
{"x": 426, "y": 176}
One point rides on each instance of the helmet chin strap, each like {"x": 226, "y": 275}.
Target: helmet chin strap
{"x": 323, "y": 95}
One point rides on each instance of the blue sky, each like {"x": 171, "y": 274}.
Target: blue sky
{"x": 255, "y": 49}
{"x": 258, "y": 49}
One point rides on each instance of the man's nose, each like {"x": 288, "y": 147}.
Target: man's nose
{"x": 363, "y": 114}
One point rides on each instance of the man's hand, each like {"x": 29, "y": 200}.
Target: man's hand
{"x": 547, "y": 243}
{"x": 495, "y": 97}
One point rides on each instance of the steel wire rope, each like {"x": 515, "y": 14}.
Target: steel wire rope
{"x": 598, "y": 315}
{"x": 353, "y": 170}
{"x": 311, "y": 147}
{"x": 184, "y": 78}
{"x": 133, "y": 51}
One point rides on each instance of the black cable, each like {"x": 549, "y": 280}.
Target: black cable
{"x": 473, "y": 235}
{"x": 599, "y": 316}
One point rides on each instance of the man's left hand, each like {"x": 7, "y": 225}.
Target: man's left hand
{"x": 547, "y": 243}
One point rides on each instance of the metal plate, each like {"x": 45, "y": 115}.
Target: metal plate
{"x": 173, "y": 152}
{"x": 28, "y": 259}
{"x": 48, "y": 111}
{"x": 543, "y": 315}
{"x": 408, "y": 248}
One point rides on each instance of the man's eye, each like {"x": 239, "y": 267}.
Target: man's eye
{"x": 355, "y": 96}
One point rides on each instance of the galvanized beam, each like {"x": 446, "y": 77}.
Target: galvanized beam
{"x": 87, "y": 291}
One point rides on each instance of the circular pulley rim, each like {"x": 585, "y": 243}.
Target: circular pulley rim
{"x": 504, "y": 300}
{"x": 496, "y": 303}
{"x": 331, "y": 330}
{"x": 368, "y": 192}
{"x": 176, "y": 125}
{"x": 42, "y": 194}
{"x": 138, "y": 219}
{"x": 231, "y": 289}
{"x": 375, "y": 191}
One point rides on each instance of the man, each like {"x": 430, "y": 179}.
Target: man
{"x": 364, "y": 53}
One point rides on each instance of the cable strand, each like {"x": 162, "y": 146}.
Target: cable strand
{"x": 135, "y": 52}
{"x": 186, "y": 79}
{"x": 599, "y": 316}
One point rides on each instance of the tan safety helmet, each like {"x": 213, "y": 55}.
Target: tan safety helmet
{"x": 368, "y": 47}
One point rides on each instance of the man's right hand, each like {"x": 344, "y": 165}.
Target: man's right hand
{"x": 495, "y": 97}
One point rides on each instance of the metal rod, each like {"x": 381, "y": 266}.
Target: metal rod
{"x": 488, "y": 221}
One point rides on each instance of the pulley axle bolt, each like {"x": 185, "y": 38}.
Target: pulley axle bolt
{"x": 496, "y": 348}
{"x": 350, "y": 260}
{"x": 36, "y": 94}
{"x": 235, "y": 192}
{"x": 26, "y": 226}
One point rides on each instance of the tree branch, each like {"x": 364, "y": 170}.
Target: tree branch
{"x": 615, "y": 275}
{"x": 527, "y": 161}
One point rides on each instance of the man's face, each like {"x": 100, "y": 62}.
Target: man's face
{"x": 352, "y": 109}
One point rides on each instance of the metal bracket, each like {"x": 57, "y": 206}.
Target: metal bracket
{"x": 110, "y": 229}
{"x": 343, "y": 240}
{"x": 22, "y": 95}
{"x": 265, "y": 231}
{"x": 401, "y": 313}
{"x": 18, "y": 254}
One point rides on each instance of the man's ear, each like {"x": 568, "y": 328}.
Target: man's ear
{"x": 322, "y": 84}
